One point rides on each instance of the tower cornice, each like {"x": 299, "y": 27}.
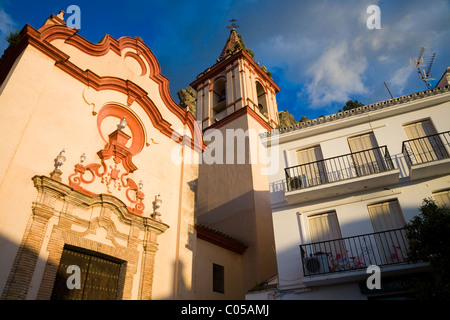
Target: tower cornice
{"x": 230, "y": 59}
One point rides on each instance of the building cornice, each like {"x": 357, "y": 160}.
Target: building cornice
{"x": 60, "y": 190}
{"x": 362, "y": 114}
{"x": 228, "y": 60}
{"x": 246, "y": 110}
{"x": 220, "y": 239}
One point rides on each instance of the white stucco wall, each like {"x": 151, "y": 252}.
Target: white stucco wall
{"x": 290, "y": 220}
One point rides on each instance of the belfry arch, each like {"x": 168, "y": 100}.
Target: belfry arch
{"x": 219, "y": 98}
{"x": 262, "y": 99}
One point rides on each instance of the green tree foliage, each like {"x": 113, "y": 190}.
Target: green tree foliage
{"x": 428, "y": 236}
{"x": 350, "y": 104}
{"x": 241, "y": 46}
{"x": 13, "y": 37}
{"x": 188, "y": 98}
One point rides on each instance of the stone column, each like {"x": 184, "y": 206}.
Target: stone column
{"x": 148, "y": 265}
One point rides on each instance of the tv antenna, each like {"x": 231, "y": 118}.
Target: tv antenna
{"x": 423, "y": 74}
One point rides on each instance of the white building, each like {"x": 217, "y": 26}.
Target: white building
{"x": 346, "y": 186}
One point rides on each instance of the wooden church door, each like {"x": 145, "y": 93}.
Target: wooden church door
{"x": 99, "y": 277}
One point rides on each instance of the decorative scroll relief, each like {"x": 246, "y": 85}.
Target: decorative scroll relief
{"x": 112, "y": 171}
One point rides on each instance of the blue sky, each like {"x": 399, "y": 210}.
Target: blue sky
{"x": 320, "y": 53}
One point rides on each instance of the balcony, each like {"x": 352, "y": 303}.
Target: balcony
{"x": 428, "y": 156}
{"x": 348, "y": 258}
{"x": 340, "y": 175}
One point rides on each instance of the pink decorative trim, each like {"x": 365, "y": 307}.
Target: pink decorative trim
{"x": 107, "y": 44}
{"x": 137, "y": 130}
{"x": 139, "y": 60}
{"x": 111, "y": 175}
{"x": 41, "y": 41}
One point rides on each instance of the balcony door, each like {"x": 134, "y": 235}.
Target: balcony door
{"x": 325, "y": 234}
{"x": 366, "y": 156}
{"x": 386, "y": 217}
{"x": 311, "y": 169}
{"x": 424, "y": 143}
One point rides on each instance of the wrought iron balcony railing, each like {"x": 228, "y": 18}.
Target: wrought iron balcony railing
{"x": 426, "y": 149}
{"x": 352, "y": 253}
{"x": 338, "y": 168}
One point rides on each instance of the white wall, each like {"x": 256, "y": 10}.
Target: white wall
{"x": 290, "y": 221}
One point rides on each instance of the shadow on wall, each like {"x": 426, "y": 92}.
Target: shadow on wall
{"x": 18, "y": 267}
{"x": 23, "y": 276}
{"x": 80, "y": 275}
{"x": 377, "y": 249}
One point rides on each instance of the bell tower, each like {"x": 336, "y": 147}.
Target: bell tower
{"x": 235, "y": 97}
{"x": 234, "y": 83}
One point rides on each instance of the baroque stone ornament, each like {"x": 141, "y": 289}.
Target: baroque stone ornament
{"x": 156, "y": 205}
{"x": 114, "y": 167}
{"x": 59, "y": 161}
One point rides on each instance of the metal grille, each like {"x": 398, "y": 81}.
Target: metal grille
{"x": 357, "y": 252}
{"x": 352, "y": 165}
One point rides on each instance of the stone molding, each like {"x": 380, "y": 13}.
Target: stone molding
{"x": 67, "y": 211}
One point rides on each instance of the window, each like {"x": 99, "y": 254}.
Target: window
{"x": 387, "y": 216}
{"x": 218, "y": 278}
{"x": 219, "y": 97}
{"x": 424, "y": 145}
{"x": 325, "y": 227}
{"x": 311, "y": 169}
{"x": 262, "y": 100}
{"x": 367, "y": 157}
{"x": 442, "y": 198}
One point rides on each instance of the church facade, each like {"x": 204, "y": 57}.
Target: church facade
{"x": 103, "y": 193}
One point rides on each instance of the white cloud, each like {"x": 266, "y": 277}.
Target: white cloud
{"x": 6, "y": 23}
{"x": 337, "y": 74}
{"x": 400, "y": 79}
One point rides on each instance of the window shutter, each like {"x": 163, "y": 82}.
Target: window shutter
{"x": 424, "y": 144}
{"x": 324, "y": 227}
{"x": 362, "y": 142}
{"x": 311, "y": 170}
{"x": 367, "y": 159}
{"x": 442, "y": 198}
{"x": 326, "y": 234}
{"x": 386, "y": 216}
{"x": 419, "y": 129}
{"x": 218, "y": 278}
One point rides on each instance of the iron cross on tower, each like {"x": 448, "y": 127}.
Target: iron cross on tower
{"x": 233, "y": 24}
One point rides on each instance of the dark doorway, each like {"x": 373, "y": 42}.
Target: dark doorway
{"x": 99, "y": 276}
